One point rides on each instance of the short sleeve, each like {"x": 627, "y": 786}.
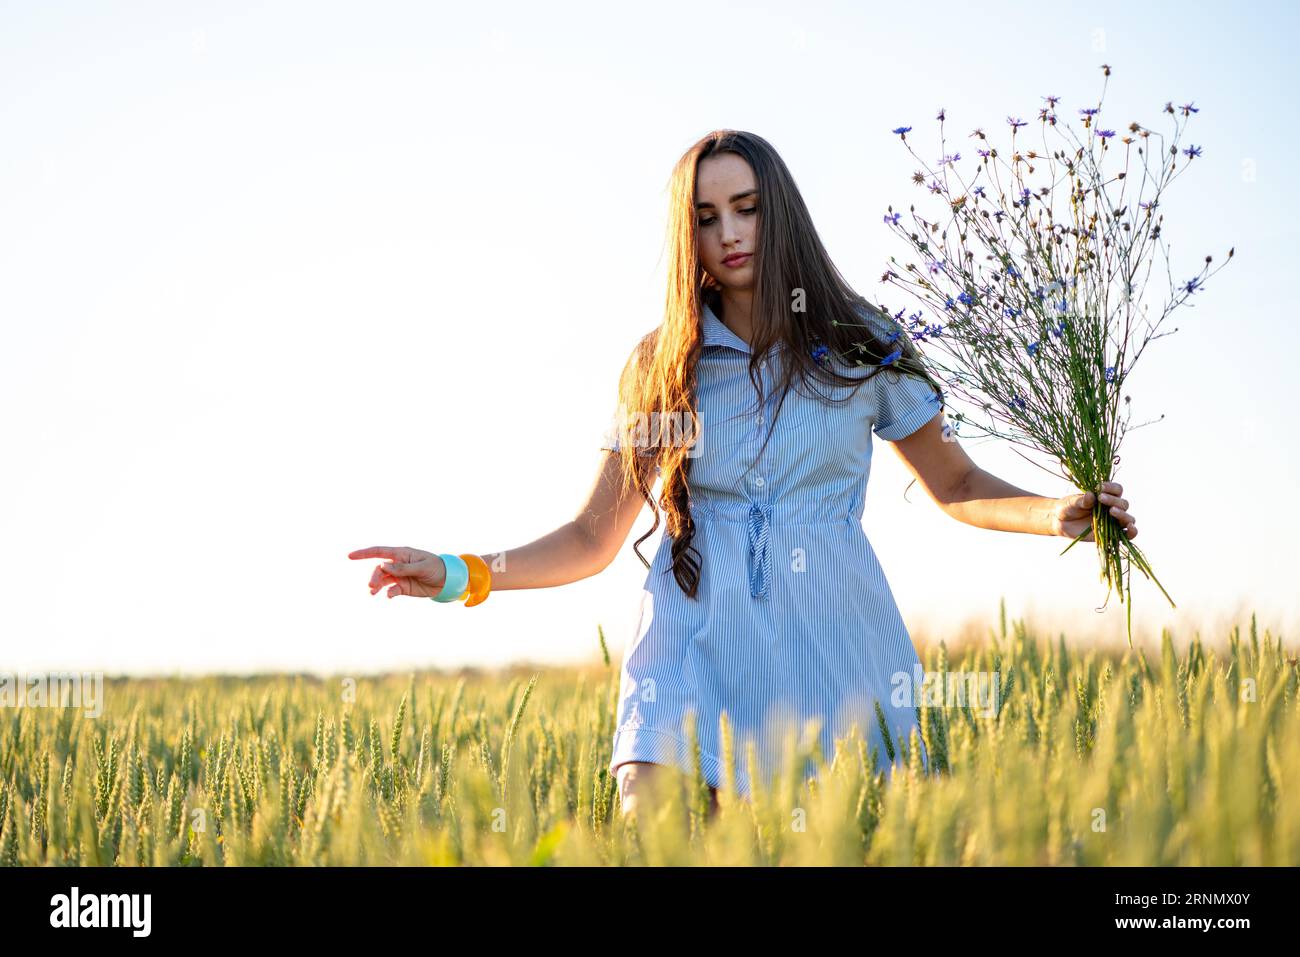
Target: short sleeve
{"x": 904, "y": 403}
{"x": 613, "y": 442}
{"x": 613, "y": 437}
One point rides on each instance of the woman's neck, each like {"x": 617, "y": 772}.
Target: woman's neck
{"x": 736, "y": 313}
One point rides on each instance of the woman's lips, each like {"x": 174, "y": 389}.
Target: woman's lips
{"x": 735, "y": 261}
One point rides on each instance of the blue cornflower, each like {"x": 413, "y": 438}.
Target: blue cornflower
{"x": 1149, "y": 204}
{"x": 902, "y": 130}
{"x": 1192, "y": 151}
{"x": 966, "y": 299}
{"x": 819, "y": 353}
{"x": 892, "y": 219}
{"x": 984, "y": 154}
{"x": 936, "y": 331}
{"x": 1059, "y": 329}
{"x": 1089, "y": 110}
{"x": 894, "y": 338}
{"x": 1188, "y": 109}
{"x": 949, "y": 304}
{"x": 1193, "y": 285}
{"x": 979, "y": 190}
{"x": 1011, "y": 312}
{"x": 949, "y": 160}
{"x": 1110, "y": 373}
{"x": 1062, "y": 306}
{"x": 1017, "y": 403}
{"x": 1033, "y": 348}
{"x": 1016, "y": 122}
{"x": 1105, "y": 134}
{"x": 998, "y": 214}
{"x": 891, "y": 357}
{"x": 1013, "y": 272}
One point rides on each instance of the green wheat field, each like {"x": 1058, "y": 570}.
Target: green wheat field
{"x": 1089, "y": 758}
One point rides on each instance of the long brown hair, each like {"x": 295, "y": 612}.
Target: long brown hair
{"x": 800, "y": 300}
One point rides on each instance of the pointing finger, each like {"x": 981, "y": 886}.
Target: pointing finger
{"x": 374, "y": 551}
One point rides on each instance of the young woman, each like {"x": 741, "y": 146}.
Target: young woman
{"x": 754, "y": 403}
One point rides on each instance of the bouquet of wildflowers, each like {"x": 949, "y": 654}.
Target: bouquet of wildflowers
{"x": 1035, "y": 265}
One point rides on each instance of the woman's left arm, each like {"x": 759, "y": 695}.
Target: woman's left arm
{"x": 976, "y": 497}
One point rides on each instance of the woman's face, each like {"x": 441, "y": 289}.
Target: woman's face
{"x": 726, "y": 211}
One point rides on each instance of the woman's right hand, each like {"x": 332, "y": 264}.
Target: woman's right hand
{"x": 409, "y": 571}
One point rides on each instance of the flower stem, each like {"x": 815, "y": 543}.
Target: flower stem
{"x": 1118, "y": 555}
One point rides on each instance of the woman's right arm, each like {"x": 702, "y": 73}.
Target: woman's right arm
{"x": 574, "y": 551}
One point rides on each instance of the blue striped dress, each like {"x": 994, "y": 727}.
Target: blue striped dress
{"x": 794, "y": 618}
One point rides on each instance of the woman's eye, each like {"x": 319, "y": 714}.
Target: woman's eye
{"x": 710, "y": 221}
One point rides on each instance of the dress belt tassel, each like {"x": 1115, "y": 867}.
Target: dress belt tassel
{"x": 760, "y": 557}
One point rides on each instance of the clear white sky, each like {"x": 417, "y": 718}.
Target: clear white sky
{"x": 279, "y": 281}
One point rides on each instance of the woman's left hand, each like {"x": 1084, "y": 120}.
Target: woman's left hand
{"x": 1074, "y": 512}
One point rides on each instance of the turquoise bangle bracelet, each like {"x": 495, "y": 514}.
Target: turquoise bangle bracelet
{"x": 454, "y": 588}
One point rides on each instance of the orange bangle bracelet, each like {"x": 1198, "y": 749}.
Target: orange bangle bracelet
{"x": 480, "y": 580}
